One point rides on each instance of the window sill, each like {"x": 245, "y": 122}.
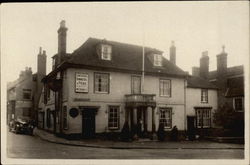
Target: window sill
{"x": 165, "y": 96}
{"x": 101, "y": 92}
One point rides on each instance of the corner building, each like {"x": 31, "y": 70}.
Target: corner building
{"x": 99, "y": 87}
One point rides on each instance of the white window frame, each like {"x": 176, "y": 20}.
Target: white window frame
{"x": 106, "y": 52}
{"x": 203, "y": 121}
{"x": 204, "y": 95}
{"x": 242, "y": 102}
{"x": 157, "y": 60}
{"x": 115, "y": 119}
{"x": 96, "y": 84}
{"x": 164, "y": 118}
{"x": 165, "y": 85}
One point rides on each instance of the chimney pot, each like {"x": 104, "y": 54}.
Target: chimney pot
{"x": 40, "y": 50}
{"x": 62, "y": 24}
{"x": 44, "y": 52}
{"x": 172, "y": 53}
{"x": 204, "y": 65}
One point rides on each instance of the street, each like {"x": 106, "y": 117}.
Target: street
{"x": 25, "y": 146}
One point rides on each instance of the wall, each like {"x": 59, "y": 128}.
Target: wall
{"x": 120, "y": 84}
{"x": 193, "y": 99}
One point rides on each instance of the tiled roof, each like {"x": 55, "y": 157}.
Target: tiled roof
{"x": 198, "y": 82}
{"x": 231, "y": 71}
{"x": 124, "y": 57}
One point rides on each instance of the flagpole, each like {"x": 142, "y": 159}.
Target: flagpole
{"x": 143, "y": 59}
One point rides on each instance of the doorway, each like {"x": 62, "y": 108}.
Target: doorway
{"x": 88, "y": 122}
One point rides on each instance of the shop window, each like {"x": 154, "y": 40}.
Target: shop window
{"x": 27, "y": 94}
{"x": 238, "y": 103}
{"x": 204, "y": 95}
{"x": 203, "y": 117}
{"x": 136, "y": 84}
{"x": 165, "y": 88}
{"x": 166, "y": 117}
{"x": 101, "y": 83}
{"x": 113, "y": 117}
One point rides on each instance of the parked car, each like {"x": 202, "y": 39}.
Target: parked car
{"x": 23, "y": 126}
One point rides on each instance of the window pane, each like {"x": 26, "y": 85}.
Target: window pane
{"x": 113, "y": 118}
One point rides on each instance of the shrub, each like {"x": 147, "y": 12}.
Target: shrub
{"x": 125, "y": 133}
{"x": 161, "y": 132}
{"x": 174, "y": 134}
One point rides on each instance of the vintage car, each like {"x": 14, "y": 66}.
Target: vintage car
{"x": 24, "y": 126}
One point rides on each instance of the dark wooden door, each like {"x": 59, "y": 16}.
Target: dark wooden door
{"x": 191, "y": 127}
{"x": 88, "y": 123}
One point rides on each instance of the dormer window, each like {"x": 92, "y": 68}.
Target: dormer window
{"x": 106, "y": 52}
{"x": 157, "y": 60}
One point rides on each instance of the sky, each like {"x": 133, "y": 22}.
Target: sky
{"x": 193, "y": 26}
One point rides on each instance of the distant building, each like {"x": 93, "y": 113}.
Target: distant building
{"x": 24, "y": 93}
{"x": 230, "y": 84}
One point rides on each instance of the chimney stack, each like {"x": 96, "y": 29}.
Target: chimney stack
{"x": 204, "y": 65}
{"x": 195, "y": 71}
{"x": 173, "y": 53}
{"x": 41, "y": 62}
{"x": 222, "y": 69}
{"x": 62, "y": 35}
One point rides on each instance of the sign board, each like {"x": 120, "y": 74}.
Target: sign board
{"x": 82, "y": 85}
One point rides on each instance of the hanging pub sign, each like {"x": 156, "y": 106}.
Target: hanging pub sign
{"x": 82, "y": 85}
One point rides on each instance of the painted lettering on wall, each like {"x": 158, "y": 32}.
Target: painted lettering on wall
{"x": 82, "y": 85}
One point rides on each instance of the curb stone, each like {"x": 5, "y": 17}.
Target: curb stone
{"x": 81, "y": 144}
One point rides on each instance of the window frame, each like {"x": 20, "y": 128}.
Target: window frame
{"x": 108, "y": 52}
{"x": 166, "y": 110}
{"x": 132, "y": 84}
{"x": 201, "y": 120}
{"x": 170, "y": 87}
{"x": 27, "y": 91}
{"x": 242, "y": 104}
{"x": 157, "y": 60}
{"x": 117, "y": 119}
{"x": 108, "y": 83}
{"x": 204, "y": 97}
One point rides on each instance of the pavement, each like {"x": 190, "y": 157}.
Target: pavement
{"x": 140, "y": 144}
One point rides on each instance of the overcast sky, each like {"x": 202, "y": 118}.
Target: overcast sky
{"x": 194, "y": 26}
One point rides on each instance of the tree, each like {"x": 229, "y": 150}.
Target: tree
{"x": 226, "y": 117}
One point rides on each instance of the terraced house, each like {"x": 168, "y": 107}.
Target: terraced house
{"x": 104, "y": 84}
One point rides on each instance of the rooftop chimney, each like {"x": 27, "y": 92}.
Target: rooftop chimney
{"x": 62, "y": 35}
{"x": 41, "y": 62}
{"x": 173, "y": 53}
{"x": 204, "y": 65}
{"x": 222, "y": 68}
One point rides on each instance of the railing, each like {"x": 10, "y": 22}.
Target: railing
{"x": 135, "y": 100}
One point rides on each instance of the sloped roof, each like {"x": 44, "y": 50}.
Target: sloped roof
{"x": 198, "y": 82}
{"x": 124, "y": 57}
{"x": 231, "y": 71}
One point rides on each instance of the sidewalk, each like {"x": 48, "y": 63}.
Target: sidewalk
{"x": 96, "y": 143}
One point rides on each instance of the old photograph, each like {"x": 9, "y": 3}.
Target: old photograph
{"x": 125, "y": 82}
